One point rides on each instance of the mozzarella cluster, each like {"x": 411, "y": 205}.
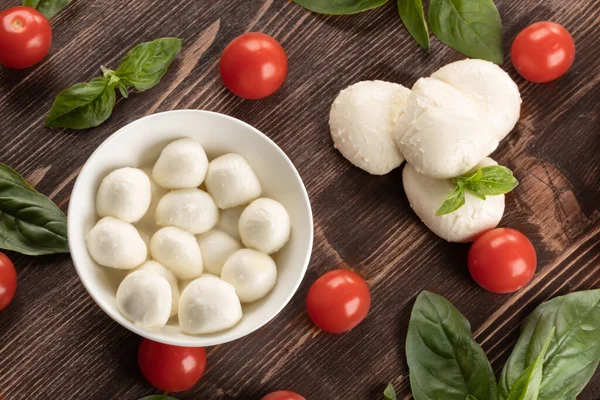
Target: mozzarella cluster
{"x": 195, "y": 254}
{"x": 445, "y": 126}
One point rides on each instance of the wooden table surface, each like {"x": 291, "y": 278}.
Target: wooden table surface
{"x": 56, "y": 343}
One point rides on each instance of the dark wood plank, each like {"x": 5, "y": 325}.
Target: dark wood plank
{"x": 56, "y": 343}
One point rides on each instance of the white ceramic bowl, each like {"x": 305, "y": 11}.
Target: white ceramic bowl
{"x": 138, "y": 145}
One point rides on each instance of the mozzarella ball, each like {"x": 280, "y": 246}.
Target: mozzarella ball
{"x": 125, "y": 194}
{"x": 157, "y": 268}
{"x": 177, "y": 250}
{"x": 486, "y": 84}
{"x": 229, "y": 220}
{"x": 207, "y": 305}
{"x": 362, "y": 122}
{"x": 185, "y": 282}
{"x": 144, "y": 297}
{"x": 182, "y": 164}
{"x": 265, "y": 225}
{"x": 443, "y": 133}
{"x": 192, "y": 210}
{"x": 253, "y": 274}
{"x": 216, "y": 247}
{"x": 231, "y": 181}
{"x": 475, "y": 217}
{"x": 116, "y": 244}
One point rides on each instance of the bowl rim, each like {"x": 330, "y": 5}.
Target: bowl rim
{"x": 190, "y": 340}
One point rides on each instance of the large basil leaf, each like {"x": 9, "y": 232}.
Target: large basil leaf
{"x": 444, "y": 360}
{"x": 472, "y": 27}
{"x": 30, "y": 223}
{"x": 147, "y": 63}
{"x": 339, "y": 7}
{"x": 572, "y": 356}
{"x": 83, "y": 105}
{"x": 47, "y": 7}
{"x": 413, "y": 17}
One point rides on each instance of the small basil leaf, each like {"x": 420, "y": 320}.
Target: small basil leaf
{"x": 47, "y": 7}
{"x": 495, "y": 180}
{"x": 389, "y": 393}
{"x": 472, "y": 27}
{"x": 443, "y": 359}
{"x": 339, "y": 7}
{"x": 83, "y": 105}
{"x": 573, "y": 354}
{"x": 145, "y": 64}
{"x": 453, "y": 202}
{"x": 158, "y": 397}
{"x": 413, "y": 17}
{"x": 30, "y": 223}
{"x": 471, "y": 176}
{"x": 31, "y": 3}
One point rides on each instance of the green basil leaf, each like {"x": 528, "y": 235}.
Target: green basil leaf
{"x": 158, "y": 397}
{"x": 572, "y": 356}
{"x": 339, "y": 7}
{"x": 472, "y": 27}
{"x": 527, "y": 385}
{"x": 444, "y": 360}
{"x": 83, "y": 105}
{"x": 413, "y": 18}
{"x": 389, "y": 393}
{"x": 145, "y": 64}
{"x": 30, "y": 223}
{"x": 470, "y": 176}
{"x": 47, "y": 7}
{"x": 494, "y": 180}
{"x": 453, "y": 202}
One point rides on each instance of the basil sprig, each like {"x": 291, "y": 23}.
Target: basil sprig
{"x": 389, "y": 393}
{"x": 30, "y": 223}
{"x": 88, "y": 104}
{"x": 340, "y": 7}
{"x": 492, "y": 180}
{"x": 47, "y": 7}
{"x": 413, "y": 17}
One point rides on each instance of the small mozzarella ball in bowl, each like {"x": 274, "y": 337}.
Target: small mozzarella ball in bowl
{"x": 144, "y": 297}
{"x": 177, "y": 250}
{"x": 207, "y": 305}
{"x": 231, "y": 181}
{"x": 253, "y": 274}
{"x": 265, "y": 225}
{"x": 181, "y": 164}
{"x": 216, "y": 247}
{"x": 116, "y": 244}
{"x": 157, "y": 268}
{"x": 229, "y": 220}
{"x": 125, "y": 194}
{"x": 192, "y": 210}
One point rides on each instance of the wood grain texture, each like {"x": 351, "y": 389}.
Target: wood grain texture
{"x": 56, "y": 343}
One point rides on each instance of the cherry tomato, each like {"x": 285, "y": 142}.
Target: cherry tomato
{"x": 25, "y": 37}
{"x": 253, "y": 65}
{"x": 502, "y": 260}
{"x": 8, "y": 281}
{"x": 543, "y": 52}
{"x": 283, "y": 395}
{"x": 338, "y": 301}
{"x": 171, "y": 368}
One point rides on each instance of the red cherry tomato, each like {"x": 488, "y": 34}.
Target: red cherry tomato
{"x": 171, "y": 368}
{"x": 502, "y": 260}
{"x": 283, "y": 395}
{"x": 253, "y": 65}
{"x": 8, "y": 281}
{"x": 543, "y": 52}
{"x": 338, "y": 301}
{"x": 25, "y": 37}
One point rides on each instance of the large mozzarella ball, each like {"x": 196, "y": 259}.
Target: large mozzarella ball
{"x": 177, "y": 250}
{"x": 265, "y": 225}
{"x": 116, "y": 244}
{"x": 229, "y": 220}
{"x": 207, "y": 305}
{"x": 192, "y": 210}
{"x": 125, "y": 194}
{"x": 486, "y": 84}
{"x": 216, "y": 247}
{"x": 231, "y": 181}
{"x": 252, "y": 273}
{"x": 476, "y": 216}
{"x": 182, "y": 164}
{"x": 157, "y": 268}
{"x": 443, "y": 133}
{"x": 144, "y": 297}
{"x": 362, "y": 122}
